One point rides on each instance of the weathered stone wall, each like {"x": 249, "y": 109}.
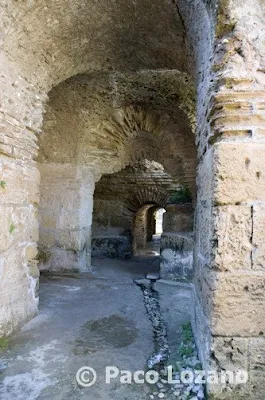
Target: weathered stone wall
{"x": 177, "y": 242}
{"x": 122, "y": 202}
{"x": 44, "y": 43}
{"x": 20, "y": 119}
{"x": 112, "y": 246}
{"x": 65, "y": 211}
{"x": 101, "y": 129}
{"x": 141, "y": 227}
{"x": 229, "y": 296}
{"x": 176, "y": 256}
{"x": 178, "y": 218}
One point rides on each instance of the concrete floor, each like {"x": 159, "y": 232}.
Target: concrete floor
{"x": 95, "y": 320}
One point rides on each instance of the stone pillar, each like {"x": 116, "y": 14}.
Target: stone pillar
{"x": 66, "y": 209}
{"x": 230, "y": 251}
{"x": 19, "y": 197}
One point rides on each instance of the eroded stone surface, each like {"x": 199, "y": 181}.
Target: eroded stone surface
{"x": 140, "y": 63}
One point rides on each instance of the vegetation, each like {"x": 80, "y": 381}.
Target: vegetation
{"x": 187, "y": 332}
{"x": 4, "y": 343}
{"x": 11, "y": 228}
{"x": 186, "y": 350}
{"x": 181, "y": 196}
{"x": 43, "y": 256}
{"x": 3, "y": 184}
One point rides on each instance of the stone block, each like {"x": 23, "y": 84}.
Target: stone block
{"x": 205, "y": 177}
{"x": 31, "y": 252}
{"x": 258, "y": 255}
{"x": 74, "y": 240}
{"x": 21, "y": 182}
{"x": 203, "y": 232}
{"x": 18, "y": 225}
{"x": 48, "y": 220}
{"x": 47, "y": 237}
{"x": 18, "y": 301}
{"x": 178, "y": 218}
{"x": 238, "y": 303}
{"x": 230, "y": 353}
{"x": 257, "y": 354}
{"x": 232, "y": 236}
{"x": 239, "y": 172}
{"x": 176, "y": 256}
{"x": 59, "y": 259}
{"x": 201, "y": 330}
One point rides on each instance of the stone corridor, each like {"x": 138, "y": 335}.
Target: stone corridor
{"x": 92, "y": 319}
{"x": 111, "y": 110}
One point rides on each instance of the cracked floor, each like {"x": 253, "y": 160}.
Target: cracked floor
{"x": 95, "y": 320}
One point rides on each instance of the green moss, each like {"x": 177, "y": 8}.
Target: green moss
{"x": 43, "y": 256}
{"x": 186, "y": 348}
{"x": 224, "y": 29}
{"x": 4, "y": 344}
{"x": 3, "y": 184}
{"x": 216, "y": 67}
{"x": 12, "y": 228}
{"x": 225, "y": 25}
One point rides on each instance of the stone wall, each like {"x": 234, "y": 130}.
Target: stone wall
{"x": 176, "y": 256}
{"x": 229, "y": 298}
{"x": 44, "y": 43}
{"x": 100, "y": 130}
{"x": 177, "y": 242}
{"x": 112, "y": 246}
{"x": 140, "y": 227}
{"x": 178, "y": 218}
{"x": 65, "y": 212}
{"x": 122, "y": 202}
{"x": 145, "y": 106}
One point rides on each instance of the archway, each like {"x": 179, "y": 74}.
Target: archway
{"x": 217, "y": 48}
{"x": 158, "y": 217}
{"x": 121, "y": 222}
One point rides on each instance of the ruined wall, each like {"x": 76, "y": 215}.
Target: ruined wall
{"x": 177, "y": 243}
{"x": 122, "y": 201}
{"x": 176, "y": 262}
{"x": 20, "y": 121}
{"x": 140, "y": 227}
{"x": 101, "y": 129}
{"x": 178, "y": 218}
{"x": 65, "y": 212}
{"x": 44, "y": 43}
{"x": 229, "y": 297}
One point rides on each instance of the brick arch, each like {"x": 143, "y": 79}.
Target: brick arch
{"x": 153, "y": 196}
{"x": 138, "y": 207}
